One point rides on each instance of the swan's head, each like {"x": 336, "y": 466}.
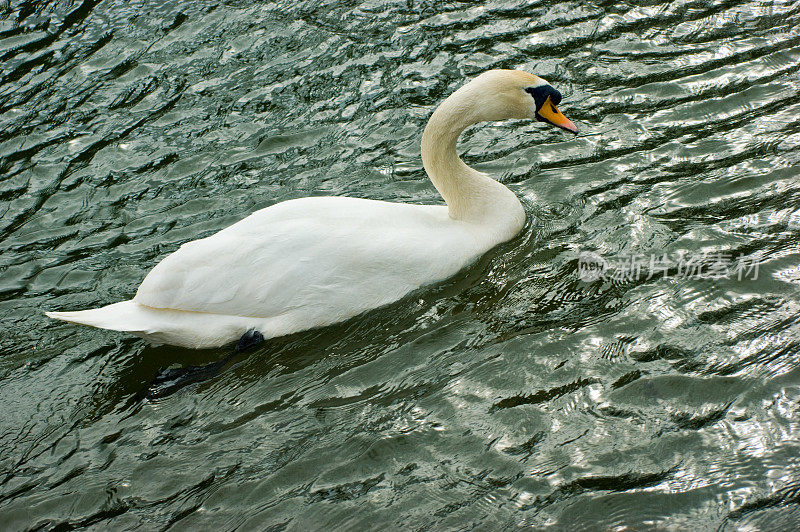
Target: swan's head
{"x": 505, "y": 94}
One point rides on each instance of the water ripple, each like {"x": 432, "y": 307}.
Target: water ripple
{"x": 512, "y": 395}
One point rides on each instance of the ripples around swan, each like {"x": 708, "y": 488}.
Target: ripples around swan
{"x": 516, "y": 394}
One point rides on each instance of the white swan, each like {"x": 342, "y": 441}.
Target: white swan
{"x": 315, "y": 261}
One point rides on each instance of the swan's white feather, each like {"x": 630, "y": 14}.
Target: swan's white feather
{"x": 320, "y": 259}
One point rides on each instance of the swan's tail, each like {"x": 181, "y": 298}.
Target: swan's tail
{"x": 165, "y": 326}
{"x": 127, "y": 316}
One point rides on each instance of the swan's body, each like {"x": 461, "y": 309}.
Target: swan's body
{"x": 315, "y": 261}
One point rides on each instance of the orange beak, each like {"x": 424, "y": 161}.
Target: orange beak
{"x": 550, "y": 113}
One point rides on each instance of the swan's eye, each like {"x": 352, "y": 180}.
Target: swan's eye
{"x": 541, "y": 93}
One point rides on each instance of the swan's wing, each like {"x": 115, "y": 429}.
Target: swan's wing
{"x": 334, "y": 258}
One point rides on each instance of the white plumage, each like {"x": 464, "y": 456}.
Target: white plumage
{"x": 315, "y": 261}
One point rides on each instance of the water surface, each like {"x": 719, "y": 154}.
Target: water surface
{"x": 514, "y": 394}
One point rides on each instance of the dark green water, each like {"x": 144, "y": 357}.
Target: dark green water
{"x": 516, "y": 394}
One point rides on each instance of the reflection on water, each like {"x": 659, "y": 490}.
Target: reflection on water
{"x": 514, "y": 394}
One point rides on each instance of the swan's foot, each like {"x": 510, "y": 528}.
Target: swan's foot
{"x": 170, "y": 381}
{"x": 249, "y": 339}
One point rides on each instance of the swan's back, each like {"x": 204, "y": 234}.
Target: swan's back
{"x": 318, "y": 260}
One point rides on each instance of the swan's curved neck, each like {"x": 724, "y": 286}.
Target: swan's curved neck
{"x": 470, "y": 195}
